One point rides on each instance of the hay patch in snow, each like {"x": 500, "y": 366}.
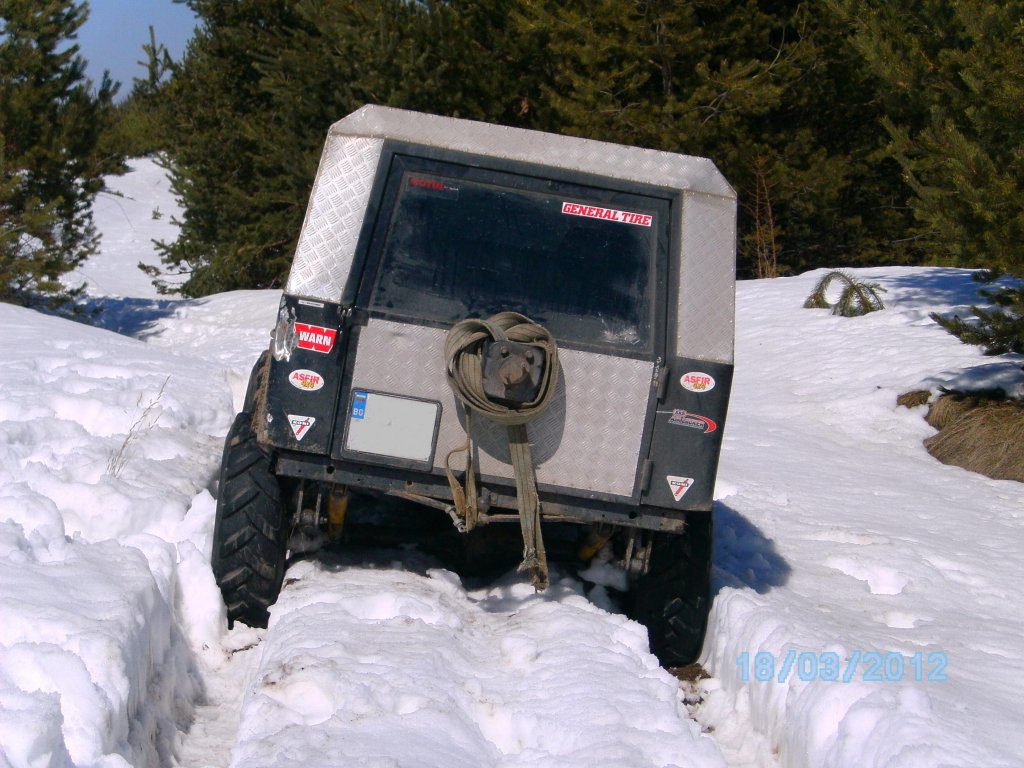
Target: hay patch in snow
{"x": 980, "y": 433}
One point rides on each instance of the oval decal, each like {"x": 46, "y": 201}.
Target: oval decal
{"x": 695, "y": 381}
{"x": 306, "y": 380}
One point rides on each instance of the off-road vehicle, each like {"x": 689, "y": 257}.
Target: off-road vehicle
{"x": 507, "y": 326}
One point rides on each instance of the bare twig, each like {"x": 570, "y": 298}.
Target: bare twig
{"x": 120, "y": 457}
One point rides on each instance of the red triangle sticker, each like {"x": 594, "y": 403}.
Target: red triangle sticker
{"x": 679, "y": 485}
{"x": 300, "y": 425}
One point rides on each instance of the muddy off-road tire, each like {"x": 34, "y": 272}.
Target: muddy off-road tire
{"x": 255, "y": 381}
{"x": 250, "y": 531}
{"x": 674, "y": 597}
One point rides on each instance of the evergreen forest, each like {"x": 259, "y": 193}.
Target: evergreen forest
{"x": 855, "y": 132}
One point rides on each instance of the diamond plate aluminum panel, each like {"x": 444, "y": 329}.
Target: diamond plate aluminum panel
{"x": 589, "y": 441}
{"x": 334, "y": 217}
{"x": 646, "y": 166}
{"x": 707, "y": 279}
{"x": 340, "y": 196}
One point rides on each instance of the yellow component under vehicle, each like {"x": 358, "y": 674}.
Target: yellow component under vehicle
{"x": 337, "y": 507}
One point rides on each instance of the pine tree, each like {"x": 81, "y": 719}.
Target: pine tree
{"x": 262, "y": 82}
{"x": 998, "y": 330}
{"x": 218, "y": 124}
{"x": 138, "y": 124}
{"x": 771, "y": 92}
{"x": 50, "y": 122}
{"x": 955, "y": 107}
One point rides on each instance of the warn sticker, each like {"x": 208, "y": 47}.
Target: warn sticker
{"x": 679, "y": 485}
{"x": 315, "y": 337}
{"x": 300, "y": 425}
{"x": 306, "y": 380}
{"x": 609, "y": 214}
{"x": 683, "y": 418}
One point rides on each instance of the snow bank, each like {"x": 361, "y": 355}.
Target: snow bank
{"x": 108, "y": 449}
{"x": 88, "y": 644}
{"x": 104, "y": 446}
{"x": 133, "y": 212}
{"x": 839, "y": 534}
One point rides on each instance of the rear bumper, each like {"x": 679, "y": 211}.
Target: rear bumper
{"x": 496, "y": 498}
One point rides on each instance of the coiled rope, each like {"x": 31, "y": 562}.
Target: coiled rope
{"x": 463, "y": 351}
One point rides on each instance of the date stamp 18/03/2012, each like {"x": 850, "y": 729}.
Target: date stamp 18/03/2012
{"x": 828, "y": 666}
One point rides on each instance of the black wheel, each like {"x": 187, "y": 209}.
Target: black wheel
{"x": 255, "y": 376}
{"x": 250, "y": 531}
{"x": 673, "y": 598}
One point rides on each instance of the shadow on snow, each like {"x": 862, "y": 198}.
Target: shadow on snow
{"x": 939, "y": 286}
{"x": 744, "y": 557}
{"x": 130, "y": 316}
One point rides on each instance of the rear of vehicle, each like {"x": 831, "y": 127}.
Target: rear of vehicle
{"x": 622, "y": 257}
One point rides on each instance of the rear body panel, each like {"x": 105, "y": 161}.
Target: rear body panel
{"x": 588, "y": 441}
{"x": 402, "y": 239}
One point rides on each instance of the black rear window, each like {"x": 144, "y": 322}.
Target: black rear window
{"x": 457, "y": 242}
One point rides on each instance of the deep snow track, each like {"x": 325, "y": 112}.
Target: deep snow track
{"x": 214, "y": 728}
{"x": 383, "y": 658}
{"x": 395, "y": 663}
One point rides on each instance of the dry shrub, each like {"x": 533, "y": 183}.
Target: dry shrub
{"x": 979, "y": 434}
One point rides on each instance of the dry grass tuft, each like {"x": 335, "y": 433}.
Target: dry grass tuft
{"x": 979, "y": 433}
{"x": 691, "y": 673}
{"x": 952, "y": 405}
{"x": 119, "y": 458}
{"x": 914, "y": 398}
{"x": 948, "y": 409}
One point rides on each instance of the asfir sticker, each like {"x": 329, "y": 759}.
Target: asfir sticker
{"x": 608, "y": 214}
{"x": 300, "y": 425}
{"x": 306, "y": 380}
{"x": 679, "y": 485}
{"x": 683, "y": 418}
{"x": 315, "y": 337}
{"x": 695, "y": 381}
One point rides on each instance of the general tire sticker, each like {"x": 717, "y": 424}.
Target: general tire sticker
{"x": 300, "y": 425}
{"x": 679, "y": 486}
{"x": 306, "y": 380}
{"x": 433, "y": 185}
{"x": 608, "y": 214}
{"x": 695, "y": 381}
{"x": 315, "y": 337}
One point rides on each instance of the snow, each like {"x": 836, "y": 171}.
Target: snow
{"x": 489, "y": 680}
{"x": 132, "y": 212}
{"x": 871, "y": 544}
{"x": 836, "y": 534}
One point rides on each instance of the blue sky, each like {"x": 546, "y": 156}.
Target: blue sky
{"x": 113, "y": 36}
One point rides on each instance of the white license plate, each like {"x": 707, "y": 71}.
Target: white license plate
{"x": 388, "y": 425}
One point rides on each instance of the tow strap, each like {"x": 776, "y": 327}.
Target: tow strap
{"x": 464, "y": 365}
